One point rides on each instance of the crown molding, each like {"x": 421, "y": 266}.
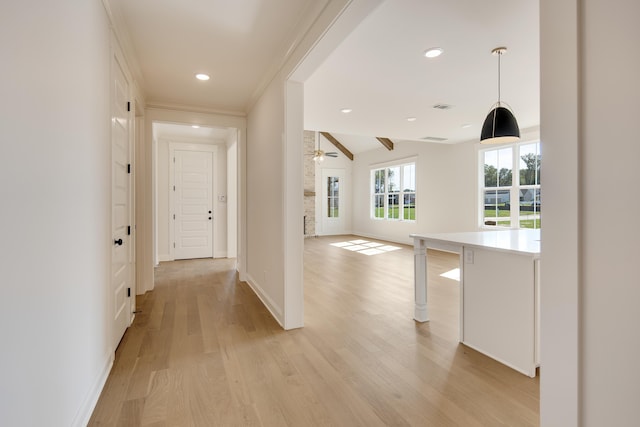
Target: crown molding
{"x": 156, "y": 105}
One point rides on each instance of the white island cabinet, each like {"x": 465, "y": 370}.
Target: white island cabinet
{"x": 499, "y": 291}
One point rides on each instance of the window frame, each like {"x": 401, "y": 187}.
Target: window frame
{"x": 386, "y": 194}
{"x": 514, "y": 188}
{"x": 333, "y": 197}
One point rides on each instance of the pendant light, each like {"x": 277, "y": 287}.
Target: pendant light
{"x": 500, "y": 126}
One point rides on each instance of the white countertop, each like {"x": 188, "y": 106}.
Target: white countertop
{"x": 525, "y": 241}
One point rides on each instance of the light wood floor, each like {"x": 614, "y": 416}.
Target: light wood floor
{"x": 205, "y": 352}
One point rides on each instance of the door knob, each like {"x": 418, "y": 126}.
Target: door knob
{"x": 209, "y": 211}
{"x": 118, "y": 242}
{"x": 209, "y": 217}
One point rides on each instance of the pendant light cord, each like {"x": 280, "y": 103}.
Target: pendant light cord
{"x": 499, "y": 55}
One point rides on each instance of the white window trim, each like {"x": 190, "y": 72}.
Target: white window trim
{"x": 514, "y": 188}
{"x": 332, "y": 196}
{"x": 384, "y": 165}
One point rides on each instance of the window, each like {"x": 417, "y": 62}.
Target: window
{"x": 393, "y": 191}
{"x": 333, "y": 196}
{"x": 511, "y": 175}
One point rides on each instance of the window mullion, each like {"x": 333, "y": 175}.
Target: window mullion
{"x": 515, "y": 183}
{"x": 386, "y": 193}
{"x": 515, "y": 207}
{"x": 401, "y": 195}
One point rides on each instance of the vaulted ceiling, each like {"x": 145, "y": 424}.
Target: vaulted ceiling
{"x": 379, "y": 70}
{"x": 381, "y": 74}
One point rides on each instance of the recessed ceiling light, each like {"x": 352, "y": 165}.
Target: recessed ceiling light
{"x": 411, "y": 119}
{"x": 203, "y": 77}
{"x": 466, "y": 125}
{"x": 346, "y": 110}
{"x": 433, "y": 52}
{"x": 195, "y": 126}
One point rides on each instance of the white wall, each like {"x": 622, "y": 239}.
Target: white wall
{"x": 143, "y": 208}
{"x": 219, "y": 206}
{"x": 164, "y": 187}
{"x": 610, "y": 163}
{"x": 446, "y": 185}
{"x": 162, "y": 201}
{"x": 264, "y": 173}
{"x": 55, "y": 217}
{"x": 589, "y": 289}
{"x": 560, "y": 241}
{"x": 232, "y": 194}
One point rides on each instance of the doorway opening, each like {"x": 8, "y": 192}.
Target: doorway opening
{"x": 195, "y": 186}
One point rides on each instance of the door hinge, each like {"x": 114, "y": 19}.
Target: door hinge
{"x": 174, "y": 188}
{"x": 128, "y": 106}
{"x": 174, "y": 160}
{"x": 128, "y": 230}
{"x": 128, "y": 167}
{"x": 129, "y": 292}
{"x": 174, "y": 216}
{"x": 174, "y": 244}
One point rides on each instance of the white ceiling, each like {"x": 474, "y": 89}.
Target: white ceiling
{"x": 238, "y": 43}
{"x": 188, "y": 132}
{"x": 378, "y": 70}
{"x": 381, "y": 73}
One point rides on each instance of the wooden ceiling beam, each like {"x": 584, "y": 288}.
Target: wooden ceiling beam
{"x": 339, "y": 146}
{"x": 388, "y": 144}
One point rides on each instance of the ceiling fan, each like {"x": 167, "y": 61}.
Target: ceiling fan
{"x": 319, "y": 155}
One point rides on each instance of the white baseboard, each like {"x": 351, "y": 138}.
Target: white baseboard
{"x": 530, "y": 372}
{"x": 86, "y": 409}
{"x": 273, "y": 308}
{"x": 165, "y": 257}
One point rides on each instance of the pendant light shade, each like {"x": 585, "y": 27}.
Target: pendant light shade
{"x": 500, "y": 126}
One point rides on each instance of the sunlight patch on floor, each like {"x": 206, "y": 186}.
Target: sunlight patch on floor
{"x": 452, "y": 274}
{"x": 365, "y": 247}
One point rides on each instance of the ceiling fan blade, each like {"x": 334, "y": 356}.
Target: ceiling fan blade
{"x": 331, "y": 154}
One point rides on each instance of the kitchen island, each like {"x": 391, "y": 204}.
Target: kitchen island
{"x": 499, "y": 291}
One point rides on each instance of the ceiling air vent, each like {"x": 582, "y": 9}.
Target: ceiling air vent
{"x": 443, "y": 106}
{"x": 434, "y": 139}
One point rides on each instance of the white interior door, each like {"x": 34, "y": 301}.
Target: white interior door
{"x": 193, "y": 204}
{"x": 333, "y": 201}
{"x": 120, "y": 204}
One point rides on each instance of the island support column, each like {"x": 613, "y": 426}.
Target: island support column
{"x": 420, "y": 280}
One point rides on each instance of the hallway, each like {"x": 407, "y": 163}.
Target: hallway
{"x": 204, "y": 351}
